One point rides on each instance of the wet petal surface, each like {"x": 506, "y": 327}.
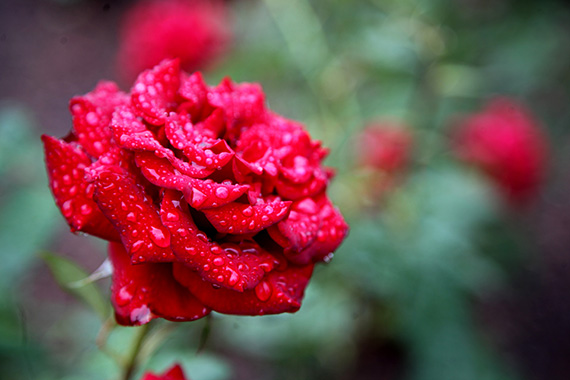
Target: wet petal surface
{"x": 134, "y": 216}
{"x": 238, "y": 266}
{"x": 73, "y": 195}
{"x": 143, "y": 292}
{"x": 279, "y": 292}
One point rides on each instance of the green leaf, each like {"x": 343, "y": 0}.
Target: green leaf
{"x": 67, "y": 273}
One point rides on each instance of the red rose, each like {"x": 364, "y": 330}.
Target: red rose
{"x": 174, "y": 373}
{"x": 210, "y": 200}
{"x": 508, "y": 144}
{"x": 195, "y": 31}
{"x": 385, "y": 146}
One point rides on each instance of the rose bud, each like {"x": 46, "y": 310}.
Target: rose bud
{"x": 195, "y": 31}
{"x": 174, "y": 373}
{"x": 209, "y": 200}
{"x": 385, "y": 146}
{"x": 508, "y": 144}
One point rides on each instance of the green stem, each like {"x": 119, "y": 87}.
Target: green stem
{"x": 132, "y": 362}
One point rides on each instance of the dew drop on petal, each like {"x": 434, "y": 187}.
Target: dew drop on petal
{"x": 248, "y": 211}
{"x": 67, "y": 208}
{"x": 124, "y": 296}
{"x": 234, "y": 277}
{"x": 263, "y": 291}
{"x": 159, "y": 238}
{"x": 172, "y": 217}
{"x": 218, "y": 261}
{"x": 131, "y": 217}
{"x": 85, "y": 209}
{"x": 222, "y": 192}
{"x": 136, "y": 246}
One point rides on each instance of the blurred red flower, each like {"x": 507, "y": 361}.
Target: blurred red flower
{"x": 385, "y": 146}
{"x": 508, "y": 144}
{"x": 195, "y": 31}
{"x": 210, "y": 200}
{"x": 174, "y": 373}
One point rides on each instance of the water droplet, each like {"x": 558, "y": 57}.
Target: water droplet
{"x": 73, "y": 190}
{"x": 123, "y": 205}
{"x": 216, "y": 249}
{"x": 67, "y": 208}
{"x": 248, "y": 211}
{"x": 252, "y": 225}
{"x": 172, "y": 217}
{"x": 92, "y": 118}
{"x": 136, "y": 246}
{"x": 218, "y": 261}
{"x": 131, "y": 217}
{"x": 182, "y": 232}
{"x": 222, "y": 192}
{"x": 85, "y": 209}
{"x": 206, "y": 267}
{"x": 159, "y": 238}
{"x": 266, "y": 266}
{"x": 263, "y": 291}
{"x": 66, "y": 179}
{"x": 264, "y": 218}
{"x": 124, "y": 296}
{"x": 234, "y": 277}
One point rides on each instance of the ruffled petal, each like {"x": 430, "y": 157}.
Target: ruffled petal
{"x": 279, "y": 292}
{"x": 243, "y": 105}
{"x": 134, "y": 216}
{"x": 154, "y": 92}
{"x": 73, "y": 195}
{"x": 92, "y": 114}
{"x": 238, "y": 266}
{"x": 143, "y": 292}
{"x": 241, "y": 218}
{"x": 200, "y": 194}
{"x": 313, "y": 230}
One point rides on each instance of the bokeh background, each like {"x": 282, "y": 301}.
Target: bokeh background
{"x": 440, "y": 278}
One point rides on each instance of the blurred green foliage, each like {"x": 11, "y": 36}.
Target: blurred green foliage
{"x": 412, "y": 269}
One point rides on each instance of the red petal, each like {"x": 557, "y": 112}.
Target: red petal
{"x": 236, "y": 266}
{"x": 243, "y": 105}
{"x": 199, "y": 193}
{"x": 154, "y": 92}
{"x": 195, "y": 90}
{"x": 92, "y": 114}
{"x": 278, "y": 292}
{"x": 241, "y": 218}
{"x": 314, "y": 229}
{"x": 290, "y": 190}
{"x": 66, "y": 166}
{"x": 135, "y": 217}
{"x": 143, "y": 292}
{"x": 129, "y": 132}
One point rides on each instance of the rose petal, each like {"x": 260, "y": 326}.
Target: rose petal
{"x": 241, "y": 218}
{"x": 73, "y": 195}
{"x": 154, "y": 92}
{"x": 317, "y": 184}
{"x": 143, "y": 292}
{"x": 92, "y": 114}
{"x": 195, "y": 91}
{"x": 174, "y": 373}
{"x": 279, "y": 292}
{"x": 199, "y": 193}
{"x": 238, "y": 266}
{"x": 130, "y": 133}
{"x": 134, "y": 216}
{"x": 243, "y": 105}
{"x": 314, "y": 229}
